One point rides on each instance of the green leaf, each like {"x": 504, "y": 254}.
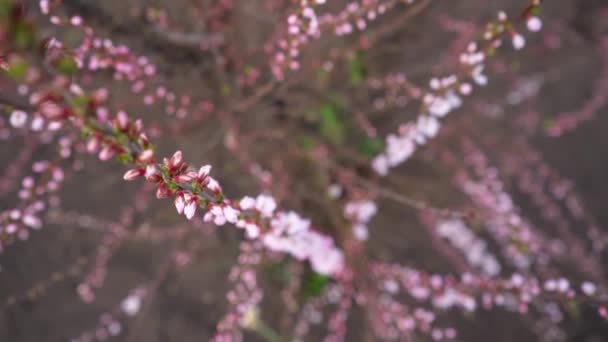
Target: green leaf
{"x": 330, "y": 125}
{"x": 226, "y": 90}
{"x": 23, "y": 35}
{"x": 81, "y": 102}
{"x": 307, "y": 143}
{"x": 85, "y": 132}
{"x": 356, "y": 69}
{"x": 67, "y": 65}
{"x": 17, "y": 69}
{"x": 371, "y": 146}
{"x": 5, "y": 8}
{"x": 314, "y": 284}
{"x": 125, "y": 158}
{"x": 574, "y": 310}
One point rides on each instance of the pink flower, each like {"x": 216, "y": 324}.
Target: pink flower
{"x": 44, "y": 6}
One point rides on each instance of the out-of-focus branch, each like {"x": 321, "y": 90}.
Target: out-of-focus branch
{"x": 15, "y": 101}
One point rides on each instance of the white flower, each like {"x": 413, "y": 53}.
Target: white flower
{"x": 230, "y": 214}
{"x": 131, "y": 305}
{"x": 18, "y": 118}
{"x": 588, "y": 288}
{"x": 328, "y": 263}
{"x": 32, "y": 221}
{"x": 265, "y": 205}
{"x": 247, "y": 203}
{"x": 534, "y": 24}
{"x": 518, "y": 41}
{"x": 252, "y": 229}
{"x": 380, "y": 165}
{"x": 360, "y": 232}
{"x": 428, "y": 126}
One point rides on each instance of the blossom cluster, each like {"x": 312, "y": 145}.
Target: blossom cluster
{"x": 302, "y": 26}
{"x": 475, "y": 249}
{"x": 346, "y": 276}
{"x": 360, "y": 213}
{"x": 35, "y": 195}
{"x": 445, "y": 95}
{"x": 358, "y": 15}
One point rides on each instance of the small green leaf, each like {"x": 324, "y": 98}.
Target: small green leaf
{"x": 85, "y": 132}
{"x": 81, "y": 102}
{"x": 314, "y": 284}
{"x": 226, "y": 90}
{"x": 356, "y": 69}
{"x": 574, "y": 310}
{"x": 172, "y": 186}
{"x": 5, "y": 8}
{"x": 307, "y": 143}
{"x": 17, "y": 69}
{"x": 331, "y": 126}
{"x": 67, "y": 65}
{"x": 535, "y": 11}
{"x": 125, "y": 158}
{"x": 23, "y": 35}
{"x": 370, "y": 147}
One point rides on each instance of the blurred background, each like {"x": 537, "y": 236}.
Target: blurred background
{"x": 309, "y": 141}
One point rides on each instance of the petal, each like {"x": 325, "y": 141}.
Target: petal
{"x": 176, "y": 159}
{"x": 204, "y": 171}
{"x": 179, "y": 204}
{"x": 190, "y": 209}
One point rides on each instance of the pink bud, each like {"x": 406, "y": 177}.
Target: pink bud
{"x": 176, "y": 160}
{"x": 93, "y": 145}
{"x": 122, "y": 119}
{"x": 162, "y": 191}
{"x": 152, "y": 173}
{"x": 133, "y": 174}
{"x": 183, "y": 178}
{"x": 146, "y": 156}
{"x": 106, "y": 153}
